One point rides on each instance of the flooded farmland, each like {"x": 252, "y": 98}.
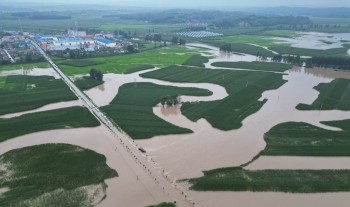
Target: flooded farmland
{"x": 186, "y": 156}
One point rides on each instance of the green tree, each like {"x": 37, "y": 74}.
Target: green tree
{"x": 182, "y": 41}
{"x": 175, "y": 40}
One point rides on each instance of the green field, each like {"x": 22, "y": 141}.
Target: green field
{"x": 197, "y": 61}
{"x": 302, "y": 139}
{"x": 163, "y": 205}
{"x": 22, "y": 93}
{"x": 333, "y": 95}
{"x": 66, "y": 118}
{"x": 244, "y": 88}
{"x": 287, "y": 50}
{"x": 53, "y": 175}
{"x": 137, "y": 69}
{"x": 264, "y": 66}
{"x": 139, "y": 27}
{"x": 25, "y": 66}
{"x": 251, "y": 49}
{"x": 293, "y": 181}
{"x": 81, "y": 62}
{"x": 86, "y": 82}
{"x": 279, "y": 33}
{"x": 2, "y": 81}
{"x": 161, "y": 57}
{"x": 131, "y": 109}
{"x": 246, "y": 39}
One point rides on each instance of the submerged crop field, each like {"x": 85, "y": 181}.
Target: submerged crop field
{"x": 244, "y": 88}
{"x": 293, "y": 181}
{"x": 264, "y": 66}
{"x": 73, "y": 117}
{"x": 131, "y": 109}
{"x": 24, "y": 66}
{"x": 86, "y": 82}
{"x": 33, "y": 92}
{"x": 302, "y": 139}
{"x": 333, "y": 95}
{"x": 53, "y": 175}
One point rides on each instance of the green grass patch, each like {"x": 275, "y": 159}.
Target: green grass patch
{"x": 131, "y": 109}
{"x": 196, "y": 60}
{"x": 287, "y": 50}
{"x": 86, "y": 82}
{"x": 25, "y": 66}
{"x": 333, "y": 95}
{"x": 2, "y": 81}
{"x": 264, "y": 66}
{"x": 161, "y": 57}
{"x": 139, "y": 27}
{"x": 251, "y": 49}
{"x": 279, "y": 33}
{"x": 246, "y": 39}
{"x": 302, "y": 139}
{"x": 294, "y": 181}
{"x": 22, "y": 93}
{"x": 164, "y": 204}
{"x": 81, "y": 62}
{"x": 138, "y": 69}
{"x": 52, "y": 175}
{"x": 72, "y": 117}
{"x": 244, "y": 89}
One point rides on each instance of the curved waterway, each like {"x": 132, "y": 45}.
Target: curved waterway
{"x": 210, "y": 148}
{"x": 105, "y": 93}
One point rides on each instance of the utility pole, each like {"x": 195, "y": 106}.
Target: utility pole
{"x": 20, "y": 25}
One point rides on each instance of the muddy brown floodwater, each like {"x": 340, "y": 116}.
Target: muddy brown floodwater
{"x": 31, "y": 72}
{"x": 114, "y": 81}
{"x": 209, "y": 148}
{"x": 315, "y": 40}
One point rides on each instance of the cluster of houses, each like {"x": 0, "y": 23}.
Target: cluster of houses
{"x": 17, "y": 48}
{"x": 80, "y": 40}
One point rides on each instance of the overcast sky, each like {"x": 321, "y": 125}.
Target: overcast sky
{"x": 203, "y": 3}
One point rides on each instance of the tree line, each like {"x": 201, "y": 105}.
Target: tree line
{"x": 342, "y": 63}
{"x": 178, "y": 41}
{"x": 170, "y": 100}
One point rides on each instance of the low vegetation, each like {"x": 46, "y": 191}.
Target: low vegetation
{"x": 131, "y": 109}
{"x": 161, "y": 57}
{"x": 264, "y": 66}
{"x": 196, "y": 60}
{"x": 24, "y": 66}
{"x": 53, "y": 175}
{"x": 244, "y": 89}
{"x": 139, "y": 68}
{"x": 293, "y": 181}
{"x": 22, "y": 93}
{"x": 302, "y": 139}
{"x": 287, "y": 50}
{"x": 164, "y": 204}
{"x": 246, "y": 49}
{"x": 81, "y": 62}
{"x": 333, "y": 95}
{"x": 72, "y": 117}
{"x": 86, "y": 82}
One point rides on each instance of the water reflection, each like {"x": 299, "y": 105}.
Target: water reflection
{"x": 170, "y": 110}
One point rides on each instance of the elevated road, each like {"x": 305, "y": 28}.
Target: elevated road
{"x": 156, "y": 173}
